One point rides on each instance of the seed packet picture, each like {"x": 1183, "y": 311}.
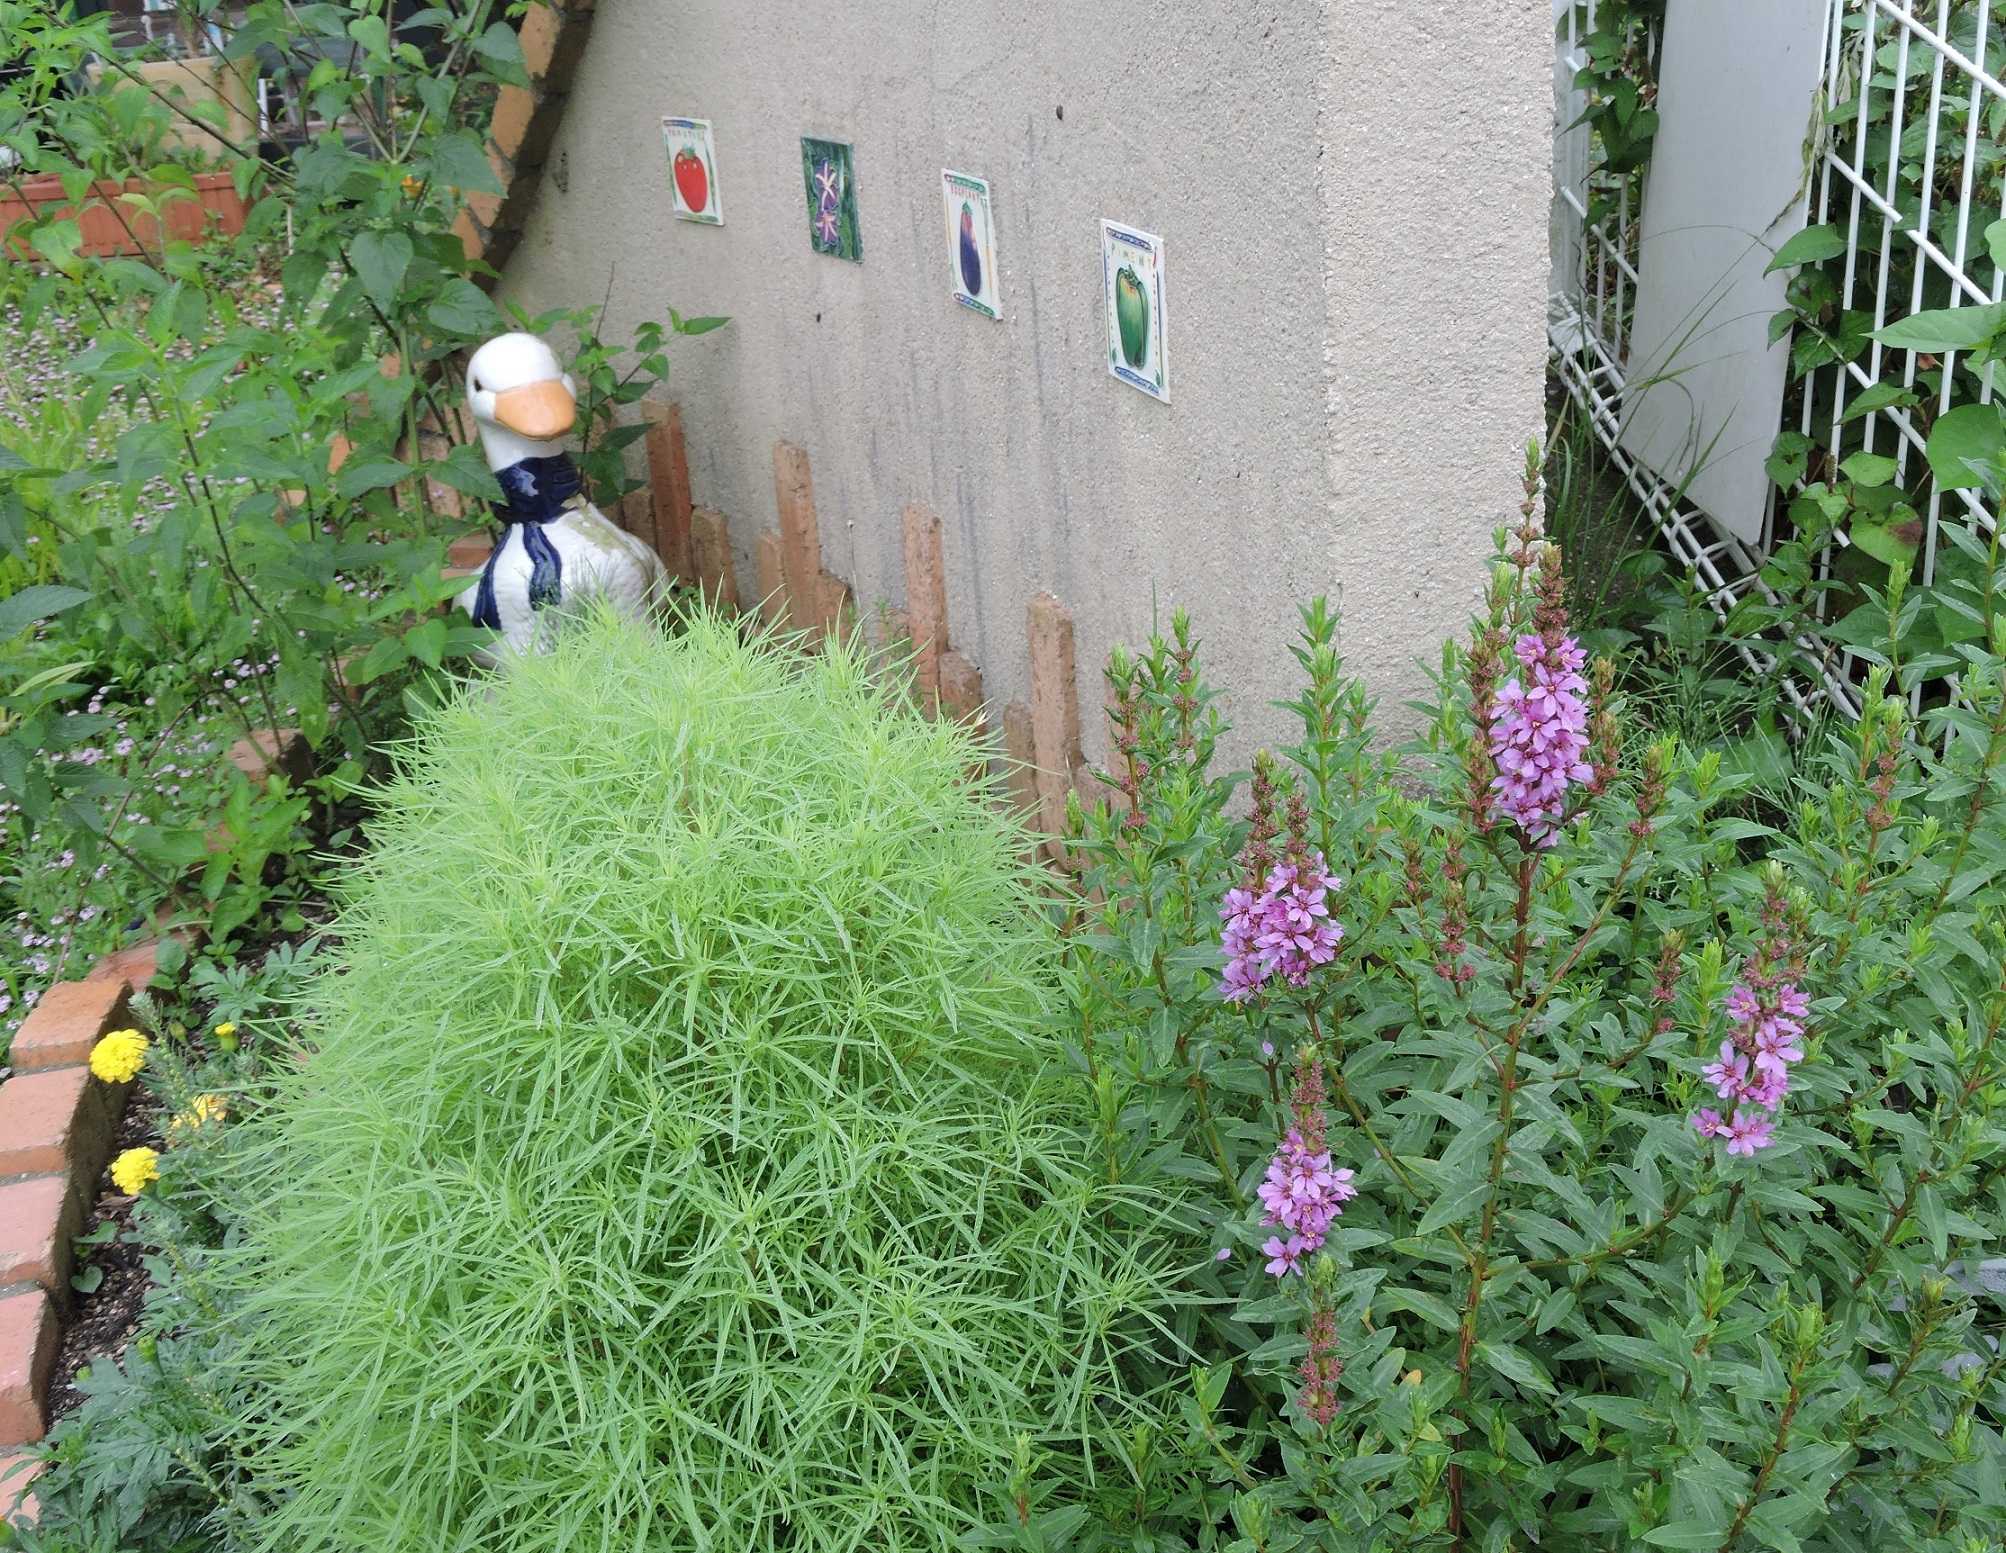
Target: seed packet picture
{"x": 1132, "y": 263}
{"x": 971, "y": 243}
{"x": 693, "y": 192}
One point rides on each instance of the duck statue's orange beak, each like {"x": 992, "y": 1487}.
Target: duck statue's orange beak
{"x": 538, "y": 411}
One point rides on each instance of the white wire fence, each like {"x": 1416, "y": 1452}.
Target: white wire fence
{"x": 1904, "y": 169}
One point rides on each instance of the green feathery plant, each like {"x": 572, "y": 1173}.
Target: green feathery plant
{"x": 683, "y": 1162}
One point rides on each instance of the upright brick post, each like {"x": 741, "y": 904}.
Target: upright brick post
{"x": 1055, "y": 711}
{"x": 669, "y": 475}
{"x": 926, "y": 599}
{"x": 710, "y": 557}
{"x": 772, "y": 579}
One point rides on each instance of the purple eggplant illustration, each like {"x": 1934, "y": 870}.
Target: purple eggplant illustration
{"x": 971, "y": 256}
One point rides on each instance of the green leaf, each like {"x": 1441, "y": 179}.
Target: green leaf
{"x": 1686, "y": 1534}
{"x": 1515, "y": 1365}
{"x": 1946, "y": 328}
{"x": 368, "y": 474}
{"x": 464, "y": 308}
{"x": 88, "y": 1280}
{"x": 1970, "y": 433}
{"x": 1868, "y": 469}
{"x": 1453, "y": 1206}
{"x": 500, "y": 44}
{"x": 20, "y": 610}
{"x": 461, "y": 162}
{"x": 1995, "y": 242}
{"x": 426, "y": 641}
{"x": 380, "y": 259}
{"x": 387, "y": 654}
{"x": 1808, "y": 247}
{"x": 700, "y": 325}
{"x": 373, "y": 34}
{"x": 1878, "y": 397}
{"x": 1789, "y": 459}
{"x": 1888, "y": 543}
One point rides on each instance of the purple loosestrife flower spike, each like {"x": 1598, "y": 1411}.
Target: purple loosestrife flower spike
{"x": 1765, "y": 1014}
{"x": 1303, "y": 1195}
{"x": 1539, "y": 735}
{"x": 1285, "y": 928}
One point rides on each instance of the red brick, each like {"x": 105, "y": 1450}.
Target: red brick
{"x": 27, "y": 1354}
{"x": 772, "y": 579}
{"x": 925, "y": 598}
{"x": 39, "y": 1218}
{"x": 711, "y": 558}
{"x": 669, "y": 475}
{"x": 470, "y": 550}
{"x": 472, "y": 234}
{"x": 54, "y": 1123}
{"x": 1020, "y": 778}
{"x": 552, "y": 42}
{"x": 136, "y": 966}
{"x": 67, "y": 1023}
{"x": 514, "y": 121}
{"x": 838, "y": 608}
{"x": 17, "y": 1503}
{"x": 269, "y": 750}
{"x": 800, "y": 536}
{"x": 1055, "y": 709}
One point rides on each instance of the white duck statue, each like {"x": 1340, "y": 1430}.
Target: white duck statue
{"x": 556, "y": 547}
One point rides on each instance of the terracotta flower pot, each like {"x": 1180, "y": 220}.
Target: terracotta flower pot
{"x": 111, "y": 228}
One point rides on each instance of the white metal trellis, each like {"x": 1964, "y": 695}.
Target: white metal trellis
{"x": 1922, "y": 77}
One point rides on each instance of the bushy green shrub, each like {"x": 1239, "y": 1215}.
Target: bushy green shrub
{"x": 681, "y": 1165}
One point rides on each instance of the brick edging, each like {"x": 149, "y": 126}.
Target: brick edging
{"x": 520, "y": 133}
{"x": 57, "y": 1126}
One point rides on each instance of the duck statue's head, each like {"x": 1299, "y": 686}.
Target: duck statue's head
{"x": 523, "y": 401}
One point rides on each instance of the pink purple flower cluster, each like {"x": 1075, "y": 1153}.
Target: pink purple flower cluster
{"x": 1287, "y": 927}
{"x": 1753, "y": 1069}
{"x": 1302, "y": 1194}
{"x": 1539, "y": 734}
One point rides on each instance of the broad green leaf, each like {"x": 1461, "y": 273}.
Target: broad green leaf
{"x": 464, "y": 308}
{"x": 1878, "y": 397}
{"x": 1808, "y": 247}
{"x": 1868, "y": 469}
{"x": 1946, "y": 328}
{"x": 1789, "y": 458}
{"x": 1892, "y": 544}
{"x": 461, "y": 162}
{"x": 427, "y": 640}
{"x": 1967, "y": 434}
{"x": 20, "y": 610}
{"x": 380, "y": 259}
{"x": 368, "y": 474}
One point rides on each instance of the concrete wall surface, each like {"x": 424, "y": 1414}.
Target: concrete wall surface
{"x": 1353, "y": 203}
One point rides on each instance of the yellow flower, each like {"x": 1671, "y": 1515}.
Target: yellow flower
{"x": 119, "y": 1056}
{"x": 133, "y": 1169}
{"x": 227, "y": 1028}
{"x": 202, "y": 1110}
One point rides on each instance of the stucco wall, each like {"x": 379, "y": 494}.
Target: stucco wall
{"x": 1353, "y": 203}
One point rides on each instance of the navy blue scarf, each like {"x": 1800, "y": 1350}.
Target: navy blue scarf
{"x": 535, "y": 491}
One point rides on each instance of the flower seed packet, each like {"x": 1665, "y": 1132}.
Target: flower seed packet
{"x": 831, "y": 181}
